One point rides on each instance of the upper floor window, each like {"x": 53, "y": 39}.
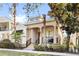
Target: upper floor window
{"x": 50, "y": 40}
{"x": 3, "y": 28}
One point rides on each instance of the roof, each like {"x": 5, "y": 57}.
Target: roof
{"x": 37, "y": 20}
{"x": 4, "y": 19}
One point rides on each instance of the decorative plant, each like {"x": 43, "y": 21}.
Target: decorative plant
{"x": 17, "y": 36}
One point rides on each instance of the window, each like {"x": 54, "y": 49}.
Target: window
{"x": 20, "y": 31}
{"x": 50, "y": 40}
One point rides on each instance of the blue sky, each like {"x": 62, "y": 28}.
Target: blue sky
{"x": 4, "y": 11}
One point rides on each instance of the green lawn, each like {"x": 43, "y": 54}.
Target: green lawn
{"x": 12, "y": 53}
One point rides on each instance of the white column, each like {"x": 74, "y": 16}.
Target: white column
{"x": 54, "y": 36}
{"x": 9, "y": 28}
{"x": 44, "y": 41}
{"x": 32, "y": 36}
{"x": 9, "y": 25}
{"x": 73, "y": 38}
{"x": 40, "y": 35}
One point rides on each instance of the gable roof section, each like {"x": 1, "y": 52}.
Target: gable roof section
{"x": 38, "y": 21}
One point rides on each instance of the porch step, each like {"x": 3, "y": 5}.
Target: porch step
{"x": 30, "y": 47}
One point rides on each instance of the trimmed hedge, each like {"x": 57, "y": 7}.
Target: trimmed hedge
{"x": 18, "y": 46}
{"x": 58, "y": 48}
{"x": 6, "y": 43}
{"x": 40, "y": 47}
{"x": 54, "y": 47}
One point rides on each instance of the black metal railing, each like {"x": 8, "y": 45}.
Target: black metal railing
{"x": 28, "y": 42}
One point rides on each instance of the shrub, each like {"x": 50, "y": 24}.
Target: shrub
{"x": 18, "y": 46}
{"x": 64, "y": 48}
{"x": 57, "y": 48}
{"x": 6, "y": 43}
{"x": 40, "y": 47}
{"x": 51, "y": 47}
{"x": 77, "y": 47}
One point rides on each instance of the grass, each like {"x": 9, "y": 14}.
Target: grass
{"x": 13, "y": 53}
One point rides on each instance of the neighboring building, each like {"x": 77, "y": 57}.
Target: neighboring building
{"x": 22, "y": 28}
{"x": 36, "y": 32}
{"x": 5, "y": 28}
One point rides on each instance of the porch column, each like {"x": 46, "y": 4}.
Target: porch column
{"x": 32, "y": 36}
{"x": 10, "y": 29}
{"x": 40, "y": 35}
{"x": 9, "y": 26}
{"x": 54, "y": 34}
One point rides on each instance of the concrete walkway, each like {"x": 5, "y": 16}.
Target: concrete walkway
{"x": 41, "y": 52}
{"x": 30, "y": 47}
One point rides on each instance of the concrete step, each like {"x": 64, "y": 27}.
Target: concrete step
{"x": 30, "y": 47}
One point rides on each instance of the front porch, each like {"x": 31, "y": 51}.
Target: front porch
{"x": 43, "y": 35}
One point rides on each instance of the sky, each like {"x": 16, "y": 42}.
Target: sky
{"x": 20, "y": 15}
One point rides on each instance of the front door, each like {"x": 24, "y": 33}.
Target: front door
{"x": 38, "y": 37}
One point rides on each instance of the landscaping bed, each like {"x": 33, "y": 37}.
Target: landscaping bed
{"x": 6, "y": 43}
{"x": 54, "y": 48}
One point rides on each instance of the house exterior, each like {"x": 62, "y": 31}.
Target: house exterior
{"x": 36, "y": 33}
{"x": 5, "y": 28}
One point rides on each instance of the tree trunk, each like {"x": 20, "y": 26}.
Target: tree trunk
{"x": 68, "y": 40}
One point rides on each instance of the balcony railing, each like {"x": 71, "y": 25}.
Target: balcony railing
{"x": 4, "y": 29}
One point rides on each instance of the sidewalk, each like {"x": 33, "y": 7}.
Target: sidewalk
{"x": 41, "y": 52}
